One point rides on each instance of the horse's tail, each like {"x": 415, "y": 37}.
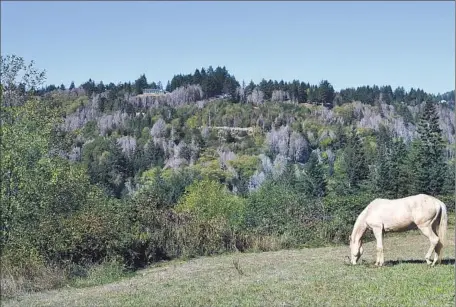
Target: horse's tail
{"x": 442, "y": 228}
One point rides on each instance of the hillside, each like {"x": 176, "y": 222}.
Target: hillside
{"x": 183, "y": 134}
{"x": 104, "y": 174}
{"x": 306, "y": 277}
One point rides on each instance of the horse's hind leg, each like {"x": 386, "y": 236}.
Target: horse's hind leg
{"x": 428, "y": 232}
{"x": 438, "y": 247}
{"x": 378, "y": 233}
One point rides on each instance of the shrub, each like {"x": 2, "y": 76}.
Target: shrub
{"x": 276, "y": 209}
{"x": 23, "y": 269}
{"x": 341, "y": 213}
{"x": 208, "y": 199}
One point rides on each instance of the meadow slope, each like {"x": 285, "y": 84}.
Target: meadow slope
{"x": 306, "y": 277}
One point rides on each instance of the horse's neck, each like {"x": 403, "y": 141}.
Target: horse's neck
{"x": 360, "y": 227}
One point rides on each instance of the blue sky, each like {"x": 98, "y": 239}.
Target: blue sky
{"x": 410, "y": 44}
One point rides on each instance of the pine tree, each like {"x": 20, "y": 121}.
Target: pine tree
{"x": 141, "y": 84}
{"x": 197, "y": 78}
{"x": 325, "y": 94}
{"x": 449, "y": 184}
{"x": 400, "y": 179}
{"x": 431, "y": 163}
{"x": 383, "y": 180}
{"x": 355, "y": 164}
{"x": 316, "y": 181}
{"x": 302, "y": 92}
{"x": 383, "y": 174}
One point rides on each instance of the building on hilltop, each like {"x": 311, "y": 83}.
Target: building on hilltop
{"x": 155, "y": 91}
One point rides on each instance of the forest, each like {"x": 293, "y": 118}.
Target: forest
{"x": 97, "y": 173}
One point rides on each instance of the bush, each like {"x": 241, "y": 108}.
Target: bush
{"x": 277, "y": 209}
{"x": 23, "y": 269}
{"x": 209, "y": 200}
{"x": 341, "y": 214}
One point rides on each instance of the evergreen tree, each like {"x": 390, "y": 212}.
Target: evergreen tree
{"x": 51, "y": 88}
{"x": 340, "y": 138}
{"x": 71, "y": 86}
{"x": 325, "y": 94}
{"x": 302, "y": 92}
{"x": 449, "y": 184}
{"x": 89, "y": 87}
{"x": 355, "y": 164}
{"x": 197, "y": 77}
{"x": 383, "y": 171}
{"x": 392, "y": 177}
{"x": 412, "y": 162}
{"x": 431, "y": 163}
{"x": 100, "y": 87}
{"x": 141, "y": 84}
{"x": 399, "y": 94}
{"x": 316, "y": 181}
{"x": 400, "y": 179}
{"x": 249, "y": 88}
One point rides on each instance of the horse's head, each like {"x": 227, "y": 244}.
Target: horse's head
{"x": 356, "y": 250}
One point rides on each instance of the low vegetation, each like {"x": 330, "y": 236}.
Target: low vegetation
{"x": 305, "y": 277}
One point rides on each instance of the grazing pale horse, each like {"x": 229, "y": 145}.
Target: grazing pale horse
{"x": 421, "y": 211}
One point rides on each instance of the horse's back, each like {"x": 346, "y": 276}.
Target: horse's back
{"x": 402, "y": 213}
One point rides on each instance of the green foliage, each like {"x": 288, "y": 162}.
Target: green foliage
{"x": 315, "y": 183}
{"x": 279, "y": 210}
{"x": 24, "y": 270}
{"x": 347, "y": 113}
{"x": 151, "y": 155}
{"x": 449, "y": 184}
{"x": 90, "y": 130}
{"x": 430, "y": 160}
{"x": 165, "y": 191}
{"x": 29, "y": 174}
{"x": 245, "y": 165}
{"x": 72, "y": 106}
{"x": 392, "y": 177}
{"x": 325, "y": 93}
{"x": 141, "y": 84}
{"x": 209, "y": 199}
{"x": 106, "y": 164}
{"x": 104, "y": 273}
{"x": 354, "y": 162}
{"x": 341, "y": 213}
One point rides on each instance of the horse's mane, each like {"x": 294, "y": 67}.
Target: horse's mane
{"x": 359, "y": 220}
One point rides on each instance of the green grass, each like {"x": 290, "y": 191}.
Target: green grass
{"x": 105, "y": 273}
{"x": 307, "y": 277}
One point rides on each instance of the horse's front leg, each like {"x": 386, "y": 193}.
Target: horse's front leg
{"x": 378, "y": 233}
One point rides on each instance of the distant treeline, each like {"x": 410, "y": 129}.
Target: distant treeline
{"x": 218, "y": 81}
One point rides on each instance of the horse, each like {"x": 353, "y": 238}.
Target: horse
{"x": 421, "y": 211}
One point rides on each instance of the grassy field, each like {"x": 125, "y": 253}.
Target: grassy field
{"x": 307, "y": 277}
